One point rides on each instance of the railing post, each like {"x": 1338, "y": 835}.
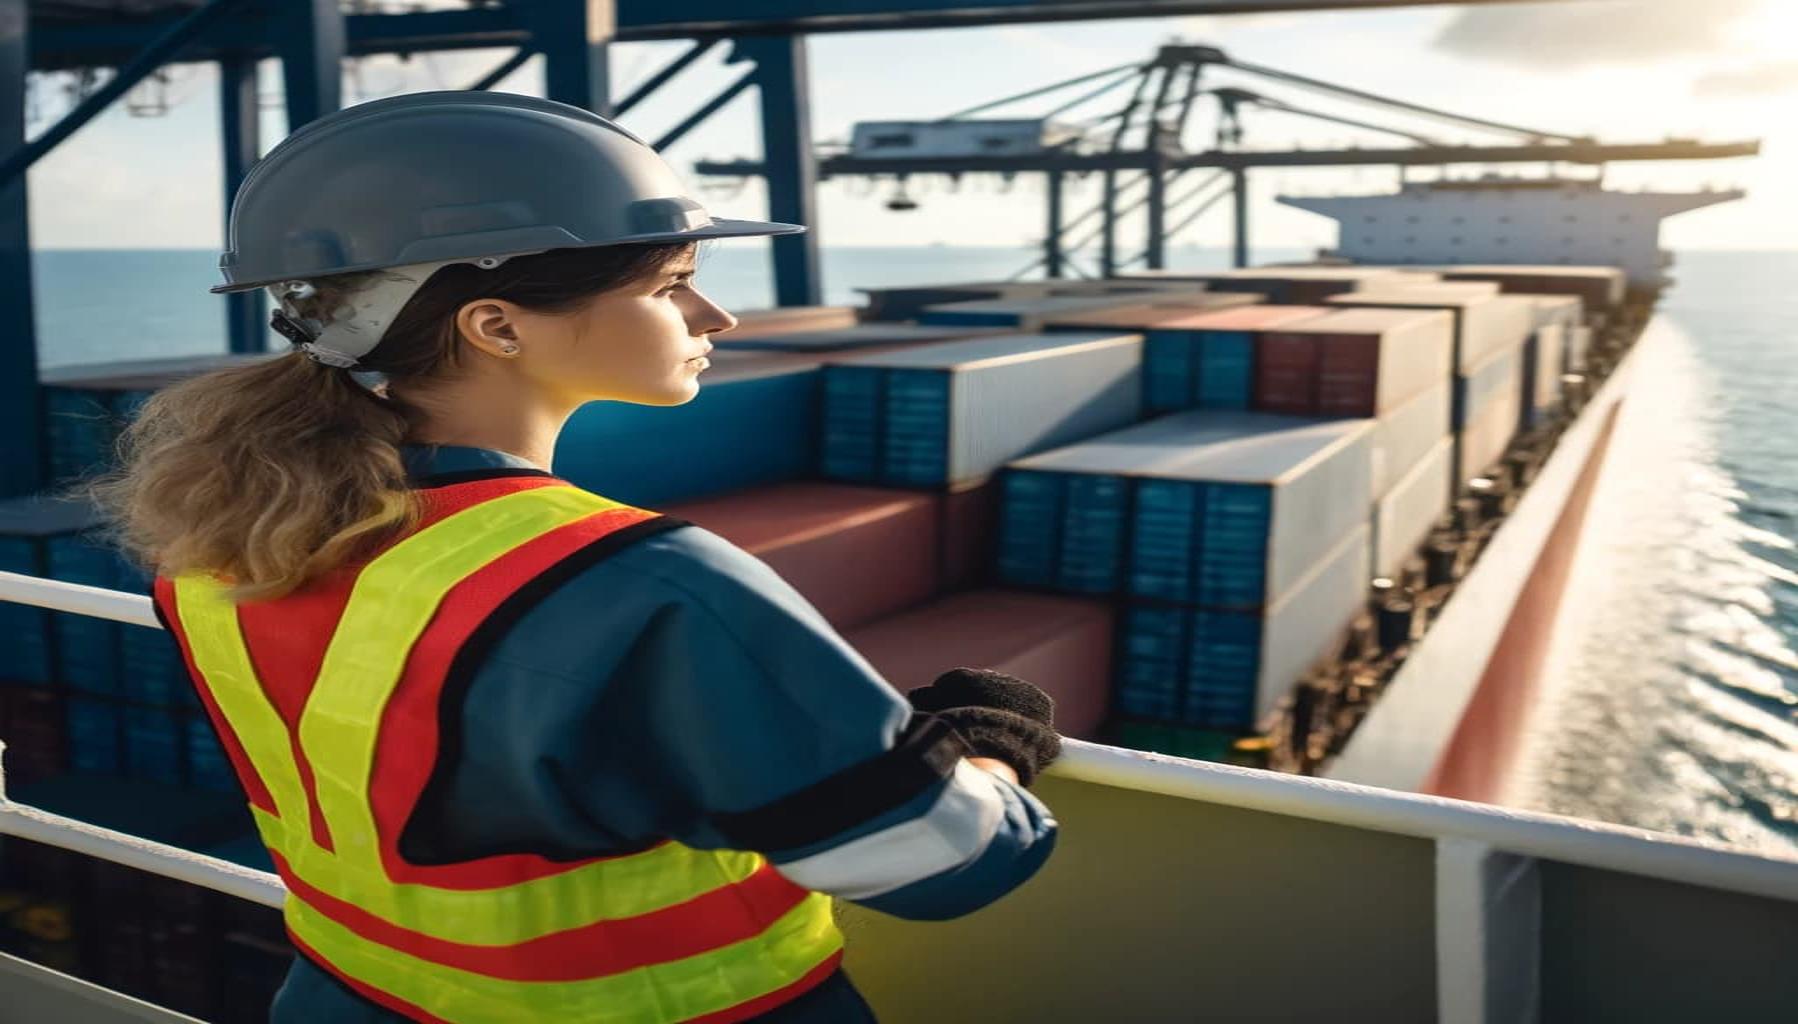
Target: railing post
{"x": 23, "y": 464}
{"x": 1488, "y": 935}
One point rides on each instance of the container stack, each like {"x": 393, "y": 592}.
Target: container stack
{"x": 1236, "y": 545}
{"x": 758, "y": 323}
{"x": 91, "y": 696}
{"x": 937, "y": 415}
{"x": 1022, "y": 314}
{"x": 847, "y": 339}
{"x": 1207, "y": 360}
{"x": 1547, "y": 355}
{"x": 1292, "y": 286}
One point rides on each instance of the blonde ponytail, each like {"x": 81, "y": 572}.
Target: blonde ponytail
{"x": 273, "y": 474}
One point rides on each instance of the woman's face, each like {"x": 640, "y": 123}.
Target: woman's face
{"x": 642, "y": 343}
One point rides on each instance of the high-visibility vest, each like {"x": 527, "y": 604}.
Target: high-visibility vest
{"x": 332, "y": 705}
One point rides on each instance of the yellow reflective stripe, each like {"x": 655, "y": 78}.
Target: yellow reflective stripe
{"x": 654, "y": 994}
{"x": 392, "y": 602}
{"x": 216, "y": 639}
{"x": 602, "y": 891}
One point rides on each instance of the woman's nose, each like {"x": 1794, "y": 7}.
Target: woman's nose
{"x": 709, "y": 318}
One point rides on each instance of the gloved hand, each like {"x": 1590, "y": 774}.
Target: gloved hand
{"x": 1000, "y": 716}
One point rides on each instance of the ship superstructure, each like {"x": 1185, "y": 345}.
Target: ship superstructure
{"x": 1504, "y": 220}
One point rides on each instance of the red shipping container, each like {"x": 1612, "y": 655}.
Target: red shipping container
{"x": 856, "y": 553}
{"x": 970, "y": 529}
{"x": 36, "y": 734}
{"x": 1286, "y": 373}
{"x": 1061, "y": 644}
{"x": 1357, "y": 362}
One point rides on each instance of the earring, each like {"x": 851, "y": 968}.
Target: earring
{"x": 508, "y": 349}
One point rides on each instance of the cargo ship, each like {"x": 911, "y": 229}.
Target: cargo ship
{"x": 1285, "y": 543}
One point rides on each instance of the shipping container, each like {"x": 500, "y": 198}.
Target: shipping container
{"x": 1207, "y": 360}
{"x": 808, "y": 532}
{"x": 841, "y": 339}
{"x": 1223, "y": 509}
{"x": 1483, "y": 324}
{"x": 1498, "y": 379}
{"x": 1354, "y": 362}
{"x": 1292, "y": 286}
{"x": 1061, "y": 644}
{"x": 907, "y": 302}
{"x": 1601, "y": 288}
{"x": 1543, "y": 357}
{"x": 1402, "y": 519}
{"x": 1026, "y": 314}
{"x": 756, "y": 323}
{"x": 1493, "y": 420}
{"x": 1578, "y": 342}
{"x": 1405, "y": 436}
{"x": 1145, "y": 315}
{"x": 754, "y": 422}
{"x": 970, "y": 532}
{"x": 1225, "y": 670}
{"x": 957, "y": 411}
{"x": 36, "y": 737}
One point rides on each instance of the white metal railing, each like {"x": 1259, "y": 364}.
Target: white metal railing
{"x": 1571, "y": 840}
{"x": 1487, "y": 897}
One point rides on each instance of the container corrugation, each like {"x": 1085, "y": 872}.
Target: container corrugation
{"x": 1498, "y": 380}
{"x": 1355, "y": 362}
{"x": 906, "y": 302}
{"x": 207, "y": 767}
{"x": 1293, "y": 286}
{"x": 1542, "y": 360}
{"x": 1061, "y": 644}
{"x": 841, "y": 339}
{"x": 755, "y": 323}
{"x": 755, "y": 425}
{"x": 26, "y": 628}
{"x": 96, "y": 732}
{"x": 1602, "y": 288}
{"x": 87, "y": 648}
{"x": 1579, "y": 342}
{"x": 1482, "y": 324}
{"x": 1166, "y": 306}
{"x": 954, "y": 412}
{"x": 1404, "y": 516}
{"x": 153, "y": 744}
{"x": 808, "y": 532}
{"x": 1404, "y": 436}
{"x": 1207, "y": 360}
{"x": 1225, "y": 670}
{"x": 36, "y": 732}
{"x": 1024, "y": 314}
{"x": 1225, "y": 509}
{"x": 1486, "y": 436}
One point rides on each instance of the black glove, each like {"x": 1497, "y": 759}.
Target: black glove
{"x": 1000, "y": 716}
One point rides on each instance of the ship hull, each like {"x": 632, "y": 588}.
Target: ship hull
{"x": 1452, "y": 719}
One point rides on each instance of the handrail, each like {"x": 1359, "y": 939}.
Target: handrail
{"x": 1553, "y": 837}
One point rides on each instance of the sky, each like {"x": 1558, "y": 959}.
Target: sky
{"x": 1622, "y": 70}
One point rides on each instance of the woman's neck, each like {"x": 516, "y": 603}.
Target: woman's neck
{"x": 527, "y": 430}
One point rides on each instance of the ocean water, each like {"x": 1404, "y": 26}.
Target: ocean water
{"x": 1673, "y": 702}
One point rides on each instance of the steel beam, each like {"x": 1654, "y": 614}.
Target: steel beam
{"x": 240, "y": 132}
{"x": 1596, "y": 153}
{"x": 1108, "y": 225}
{"x": 312, "y": 59}
{"x": 155, "y": 54}
{"x": 505, "y": 68}
{"x": 22, "y": 457}
{"x": 1052, "y": 257}
{"x": 1155, "y": 253}
{"x": 575, "y": 37}
{"x": 782, "y": 77}
{"x": 106, "y": 44}
{"x": 711, "y": 106}
{"x": 662, "y": 77}
{"x": 1240, "y": 194}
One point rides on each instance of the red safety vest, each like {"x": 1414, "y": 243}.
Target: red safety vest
{"x": 328, "y": 703}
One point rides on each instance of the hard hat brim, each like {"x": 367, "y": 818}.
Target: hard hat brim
{"x": 718, "y": 228}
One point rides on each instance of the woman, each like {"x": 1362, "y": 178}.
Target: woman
{"x": 520, "y": 752}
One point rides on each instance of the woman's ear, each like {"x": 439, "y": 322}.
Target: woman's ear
{"x": 489, "y": 325}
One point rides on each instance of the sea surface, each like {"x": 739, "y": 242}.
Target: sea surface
{"x": 1673, "y": 701}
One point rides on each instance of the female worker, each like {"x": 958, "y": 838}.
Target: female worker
{"x": 520, "y": 752}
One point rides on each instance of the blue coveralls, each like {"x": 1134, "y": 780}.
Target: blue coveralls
{"x": 678, "y": 679}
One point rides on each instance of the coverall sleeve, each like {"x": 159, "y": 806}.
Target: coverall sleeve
{"x": 739, "y": 719}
